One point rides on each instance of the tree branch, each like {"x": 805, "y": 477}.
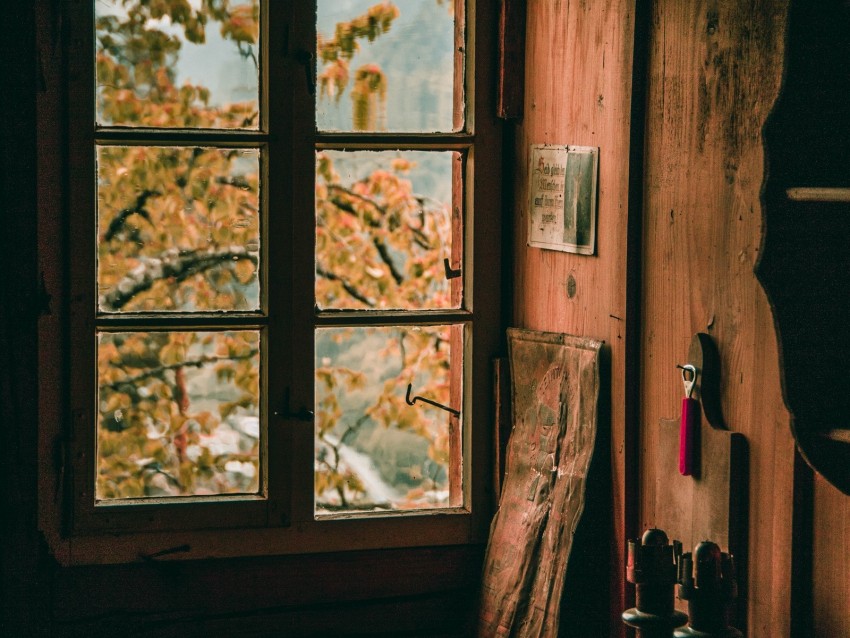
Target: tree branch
{"x": 362, "y": 198}
{"x": 190, "y": 363}
{"x": 117, "y": 224}
{"x": 173, "y": 265}
{"x": 347, "y": 286}
{"x": 381, "y": 247}
{"x": 379, "y": 244}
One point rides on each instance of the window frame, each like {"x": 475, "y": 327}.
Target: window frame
{"x": 284, "y": 521}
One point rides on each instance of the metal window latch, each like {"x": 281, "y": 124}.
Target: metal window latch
{"x": 413, "y": 401}
{"x": 451, "y": 273}
{"x": 285, "y": 413}
{"x": 306, "y": 58}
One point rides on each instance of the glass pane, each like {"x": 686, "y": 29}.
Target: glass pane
{"x": 384, "y": 230}
{"x": 375, "y": 451}
{"x": 179, "y": 413}
{"x": 178, "y": 229}
{"x": 187, "y": 63}
{"x": 385, "y": 66}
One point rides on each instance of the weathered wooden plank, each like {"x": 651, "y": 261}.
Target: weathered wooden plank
{"x": 555, "y": 394}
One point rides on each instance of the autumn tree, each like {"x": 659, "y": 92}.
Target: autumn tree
{"x": 179, "y": 231}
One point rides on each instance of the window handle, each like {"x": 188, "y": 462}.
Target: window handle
{"x": 302, "y": 415}
{"x": 306, "y": 58}
{"x": 285, "y": 413}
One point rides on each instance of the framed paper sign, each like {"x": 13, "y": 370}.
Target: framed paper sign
{"x": 563, "y": 198}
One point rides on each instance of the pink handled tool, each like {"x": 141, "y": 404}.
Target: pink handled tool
{"x": 689, "y": 423}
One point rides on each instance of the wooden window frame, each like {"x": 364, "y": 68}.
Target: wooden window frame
{"x": 283, "y": 522}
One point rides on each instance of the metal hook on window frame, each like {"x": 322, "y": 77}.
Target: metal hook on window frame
{"x": 308, "y": 61}
{"x": 451, "y": 273}
{"x": 413, "y": 401}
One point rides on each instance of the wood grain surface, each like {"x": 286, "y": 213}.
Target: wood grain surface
{"x": 578, "y": 76}
{"x": 714, "y": 75}
{"x": 555, "y": 381}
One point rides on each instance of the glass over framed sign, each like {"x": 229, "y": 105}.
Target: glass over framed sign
{"x": 562, "y": 192}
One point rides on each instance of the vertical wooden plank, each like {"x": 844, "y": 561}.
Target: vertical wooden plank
{"x": 503, "y": 423}
{"x": 830, "y": 561}
{"x": 578, "y": 75}
{"x": 713, "y": 78}
{"x": 511, "y": 59}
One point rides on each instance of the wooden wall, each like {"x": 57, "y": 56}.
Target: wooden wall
{"x": 578, "y": 71}
{"x": 712, "y": 72}
{"x": 715, "y": 72}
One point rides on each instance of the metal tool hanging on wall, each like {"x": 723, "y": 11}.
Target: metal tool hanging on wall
{"x": 689, "y": 424}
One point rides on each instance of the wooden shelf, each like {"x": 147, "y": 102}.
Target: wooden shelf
{"x": 837, "y": 434}
{"x": 818, "y": 194}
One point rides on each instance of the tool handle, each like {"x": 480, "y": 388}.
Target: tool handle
{"x": 688, "y": 431}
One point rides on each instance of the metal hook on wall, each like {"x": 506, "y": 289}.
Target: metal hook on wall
{"x": 412, "y": 401}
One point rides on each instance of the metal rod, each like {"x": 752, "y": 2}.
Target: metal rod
{"x": 428, "y": 401}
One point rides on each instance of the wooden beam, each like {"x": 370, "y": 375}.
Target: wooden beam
{"x": 818, "y": 194}
{"x": 511, "y": 59}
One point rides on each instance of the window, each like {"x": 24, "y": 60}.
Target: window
{"x": 280, "y": 318}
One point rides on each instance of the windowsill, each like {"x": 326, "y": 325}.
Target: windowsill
{"x": 441, "y": 529}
